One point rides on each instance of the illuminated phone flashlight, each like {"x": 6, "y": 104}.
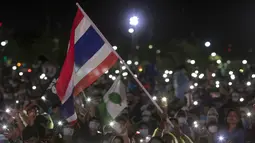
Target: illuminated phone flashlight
{"x": 164, "y": 75}
{"x": 221, "y": 138}
{"x": 249, "y": 114}
{"x": 195, "y": 123}
{"x": 244, "y": 62}
{"x": 88, "y": 99}
{"x": 8, "y": 110}
{"x": 60, "y": 123}
{"x": 233, "y": 77}
{"x": 191, "y": 87}
{"x": 196, "y": 71}
{"x": 217, "y": 86}
{"x": 141, "y": 140}
{"x": 248, "y": 83}
{"x": 4, "y": 127}
{"x": 148, "y": 138}
{"x": 164, "y": 99}
{"x": 195, "y": 84}
{"x": 195, "y": 103}
{"x": 253, "y": 76}
{"x": 167, "y": 80}
{"x": 111, "y": 123}
{"x": 194, "y": 75}
{"x": 154, "y": 98}
{"x": 230, "y": 72}
{"x": 217, "y": 82}
{"x": 218, "y": 61}
{"x": 213, "y": 74}
{"x": 241, "y": 99}
{"x": 201, "y": 76}
{"x": 43, "y": 98}
{"x": 229, "y": 83}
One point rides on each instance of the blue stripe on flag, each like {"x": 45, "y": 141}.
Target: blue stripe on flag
{"x": 67, "y": 109}
{"x": 87, "y": 46}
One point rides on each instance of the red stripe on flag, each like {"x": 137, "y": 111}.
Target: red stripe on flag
{"x": 67, "y": 68}
{"x": 96, "y": 73}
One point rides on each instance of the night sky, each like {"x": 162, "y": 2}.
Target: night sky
{"x": 222, "y": 23}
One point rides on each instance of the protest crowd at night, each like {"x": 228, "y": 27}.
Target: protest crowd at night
{"x": 96, "y": 96}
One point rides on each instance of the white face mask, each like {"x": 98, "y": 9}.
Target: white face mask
{"x": 182, "y": 120}
{"x": 144, "y": 132}
{"x": 213, "y": 129}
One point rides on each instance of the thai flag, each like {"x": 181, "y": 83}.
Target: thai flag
{"x": 89, "y": 55}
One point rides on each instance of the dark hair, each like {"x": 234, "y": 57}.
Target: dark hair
{"x": 174, "y": 119}
{"x": 239, "y": 124}
{"x": 156, "y": 138}
{"x": 118, "y": 137}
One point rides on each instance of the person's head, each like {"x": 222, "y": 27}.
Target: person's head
{"x": 233, "y": 117}
{"x": 118, "y": 139}
{"x": 181, "y": 115}
{"x": 156, "y": 140}
{"x": 212, "y": 127}
{"x": 94, "y": 125}
{"x": 32, "y": 111}
{"x": 144, "y": 129}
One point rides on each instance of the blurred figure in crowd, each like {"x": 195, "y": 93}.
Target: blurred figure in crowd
{"x": 182, "y": 117}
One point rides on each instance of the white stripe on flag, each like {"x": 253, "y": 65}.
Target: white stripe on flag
{"x": 72, "y": 118}
{"x": 81, "y": 29}
{"x": 93, "y": 62}
{"x": 69, "y": 89}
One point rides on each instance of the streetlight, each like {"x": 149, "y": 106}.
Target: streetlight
{"x": 207, "y": 44}
{"x": 134, "y": 20}
{"x": 131, "y": 30}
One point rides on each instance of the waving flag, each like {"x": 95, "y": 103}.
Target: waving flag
{"x": 89, "y": 55}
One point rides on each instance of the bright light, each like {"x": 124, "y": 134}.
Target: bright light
{"x": 221, "y": 138}
{"x": 117, "y": 71}
{"x": 196, "y": 71}
{"x": 14, "y": 68}
{"x": 195, "y": 103}
{"x": 195, "y": 84}
{"x": 217, "y": 82}
{"x": 244, "y": 62}
{"x": 111, "y": 123}
{"x": 249, "y": 114}
{"x": 7, "y": 110}
{"x": 170, "y": 72}
{"x": 217, "y": 85}
{"x": 213, "y": 54}
{"x": 34, "y": 87}
{"x": 141, "y": 140}
{"x": 4, "y": 43}
{"x": 134, "y": 20}
{"x": 201, "y": 76}
{"x": 20, "y": 73}
{"x": 229, "y": 83}
{"x": 196, "y": 125}
{"x": 140, "y": 69}
{"x": 123, "y": 67}
{"x": 167, "y": 80}
{"x": 195, "y": 122}
{"x": 113, "y": 78}
{"x": 60, "y": 123}
{"x": 241, "y": 70}
{"x": 131, "y": 30}
{"x": 45, "y": 78}
{"x": 42, "y": 75}
{"x": 192, "y": 62}
{"x": 194, "y": 75}
{"x": 253, "y": 76}
{"x": 135, "y": 75}
{"x": 218, "y": 61}
{"x": 241, "y": 99}
{"x": 207, "y": 44}
{"x": 88, "y": 99}
{"x": 213, "y": 74}
{"x": 129, "y": 62}
{"x": 18, "y": 64}
{"x": 232, "y": 77}
{"x": 106, "y": 72}
{"x": 154, "y": 98}
{"x": 158, "y": 51}
{"x": 191, "y": 87}
{"x": 150, "y": 46}
{"x": 164, "y": 99}
{"x": 166, "y": 71}
{"x": 124, "y": 74}
{"x": 4, "y": 127}
{"x": 43, "y": 98}
{"x": 164, "y": 75}
{"x": 29, "y": 70}
{"x": 115, "y": 48}
{"x": 228, "y": 62}
{"x": 17, "y": 101}
{"x": 110, "y": 76}
{"x": 136, "y": 63}
{"x": 248, "y": 83}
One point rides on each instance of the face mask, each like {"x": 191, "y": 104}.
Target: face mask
{"x": 144, "y": 132}
{"x": 93, "y": 125}
{"x": 146, "y": 119}
{"x": 182, "y": 120}
{"x": 213, "y": 129}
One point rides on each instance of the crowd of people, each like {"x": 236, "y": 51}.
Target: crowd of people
{"x": 213, "y": 106}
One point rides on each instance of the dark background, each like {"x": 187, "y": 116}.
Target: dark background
{"x": 225, "y": 24}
